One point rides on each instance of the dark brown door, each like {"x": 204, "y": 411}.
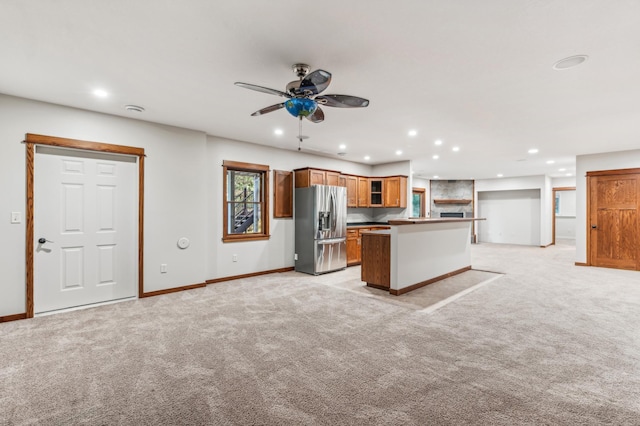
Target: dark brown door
{"x": 614, "y": 221}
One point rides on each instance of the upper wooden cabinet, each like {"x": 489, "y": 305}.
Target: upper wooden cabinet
{"x": 390, "y": 191}
{"x": 394, "y": 191}
{"x": 307, "y": 177}
{"x": 352, "y": 190}
{"x": 363, "y": 191}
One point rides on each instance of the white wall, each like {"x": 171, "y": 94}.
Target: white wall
{"x": 276, "y": 252}
{"x": 175, "y": 190}
{"x": 512, "y": 217}
{"x": 592, "y": 163}
{"x": 543, "y": 223}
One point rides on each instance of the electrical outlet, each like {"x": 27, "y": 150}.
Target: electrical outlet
{"x": 234, "y": 257}
{"x": 163, "y": 268}
{"x": 295, "y": 256}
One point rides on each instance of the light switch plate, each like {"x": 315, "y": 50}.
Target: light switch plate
{"x": 16, "y": 217}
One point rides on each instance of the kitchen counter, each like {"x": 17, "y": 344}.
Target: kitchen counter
{"x": 366, "y": 224}
{"x": 416, "y": 252}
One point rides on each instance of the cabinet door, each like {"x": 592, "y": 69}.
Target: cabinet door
{"x": 353, "y": 247}
{"x": 394, "y": 191}
{"x": 375, "y": 192}
{"x": 363, "y": 192}
{"x": 352, "y": 191}
{"x": 317, "y": 177}
{"x": 342, "y": 181}
{"x": 332, "y": 178}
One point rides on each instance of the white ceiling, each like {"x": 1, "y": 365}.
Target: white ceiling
{"x": 474, "y": 74}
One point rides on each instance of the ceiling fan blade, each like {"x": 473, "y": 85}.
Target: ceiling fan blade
{"x": 342, "y": 101}
{"x": 268, "y": 109}
{"x": 317, "y": 116}
{"x": 314, "y": 82}
{"x": 262, "y": 89}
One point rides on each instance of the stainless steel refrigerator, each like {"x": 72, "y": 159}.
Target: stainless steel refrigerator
{"x": 320, "y": 229}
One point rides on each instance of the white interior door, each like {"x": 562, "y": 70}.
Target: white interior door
{"x": 85, "y": 207}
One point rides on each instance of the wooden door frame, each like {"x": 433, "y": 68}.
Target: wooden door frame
{"x": 423, "y": 203}
{"x": 589, "y": 176}
{"x": 553, "y": 209}
{"x": 31, "y": 140}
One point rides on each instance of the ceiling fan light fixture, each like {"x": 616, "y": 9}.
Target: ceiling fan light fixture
{"x": 301, "y": 107}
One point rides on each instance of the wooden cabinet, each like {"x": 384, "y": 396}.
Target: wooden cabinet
{"x": 332, "y": 178}
{"x": 395, "y": 191}
{"x": 307, "y": 177}
{"x": 352, "y": 190}
{"x": 282, "y": 193}
{"x": 363, "y": 191}
{"x": 375, "y": 192}
{"x": 354, "y": 243}
{"x": 376, "y": 260}
{"x": 353, "y": 247}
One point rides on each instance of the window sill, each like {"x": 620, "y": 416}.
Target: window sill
{"x": 240, "y": 238}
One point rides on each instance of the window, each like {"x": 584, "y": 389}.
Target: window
{"x": 246, "y": 201}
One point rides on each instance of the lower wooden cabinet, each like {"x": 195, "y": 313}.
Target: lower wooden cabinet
{"x": 376, "y": 260}
{"x": 353, "y": 247}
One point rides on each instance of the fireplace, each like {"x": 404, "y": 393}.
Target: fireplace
{"x": 451, "y": 214}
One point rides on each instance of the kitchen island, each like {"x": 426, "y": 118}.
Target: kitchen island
{"x": 416, "y": 252}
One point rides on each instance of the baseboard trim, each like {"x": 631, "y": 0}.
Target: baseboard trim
{"x": 427, "y": 282}
{"x": 252, "y": 274}
{"x": 15, "y": 317}
{"x": 173, "y": 290}
{"x": 581, "y": 264}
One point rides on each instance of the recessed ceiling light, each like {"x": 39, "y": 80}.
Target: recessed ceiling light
{"x": 100, "y": 93}
{"x": 550, "y": 162}
{"x": 278, "y": 131}
{"x": 533, "y": 151}
{"x": 366, "y": 157}
{"x": 438, "y": 142}
{"x": 570, "y": 62}
{"x": 413, "y": 132}
{"x": 568, "y": 174}
{"x": 455, "y": 149}
{"x": 435, "y": 157}
{"x": 134, "y": 108}
{"x": 500, "y": 175}
{"x": 342, "y": 146}
{"x": 398, "y": 152}
{"x": 436, "y": 176}
{"x": 562, "y": 170}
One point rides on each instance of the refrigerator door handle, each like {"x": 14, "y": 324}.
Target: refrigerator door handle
{"x": 334, "y": 220}
{"x": 331, "y": 240}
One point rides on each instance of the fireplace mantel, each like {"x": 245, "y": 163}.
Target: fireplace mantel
{"x": 441, "y": 201}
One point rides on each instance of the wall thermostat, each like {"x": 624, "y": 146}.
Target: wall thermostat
{"x": 183, "y": 242}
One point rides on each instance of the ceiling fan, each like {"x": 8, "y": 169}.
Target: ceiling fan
{"x": 304, "y": 97}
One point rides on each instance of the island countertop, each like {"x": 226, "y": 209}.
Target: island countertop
{"x": 404, "y": 258}
{"x": 422, "y": 220}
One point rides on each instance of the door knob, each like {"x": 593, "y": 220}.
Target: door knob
{"x": 43, "y": 240}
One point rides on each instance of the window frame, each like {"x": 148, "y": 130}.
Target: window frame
{"x": 421, "y": 192}
{"x": 264, "y": 203}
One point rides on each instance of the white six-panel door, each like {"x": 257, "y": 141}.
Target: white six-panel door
{"x": 85, "y": 206}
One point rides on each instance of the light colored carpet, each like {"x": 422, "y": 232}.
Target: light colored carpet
{"x": 547, "y": 343}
